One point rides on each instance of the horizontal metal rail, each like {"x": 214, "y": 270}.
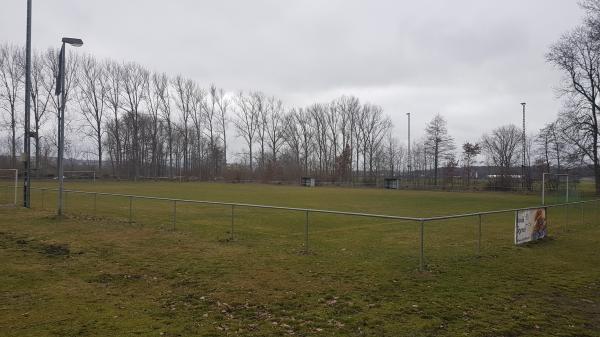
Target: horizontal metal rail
{"x": 223, "y": 203}
{"x": 508, "y": 210}
{"x": 324, "y": 211}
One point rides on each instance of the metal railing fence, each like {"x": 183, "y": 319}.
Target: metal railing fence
{"x": 421, "y": 221}
{"x": 481, "y": 214}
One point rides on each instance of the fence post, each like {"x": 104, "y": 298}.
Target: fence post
{"x": 567, "y": 222}
{"x": 174, "y": 214}
{"x": 232, "y": 208}
{"x": 43, "y": 196}
{"x": 130, "y": 209}
{"x": 95, "y": 203}
{"x": 479, "y": 237}
{"x": 422, "y": 250}
{"x": 306, "y": 234}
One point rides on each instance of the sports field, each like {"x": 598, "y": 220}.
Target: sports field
{"x": 102, "y": 270}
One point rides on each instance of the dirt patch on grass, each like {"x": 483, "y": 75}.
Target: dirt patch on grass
{"x": 55, "y": 249}
{"x": 10, "y": 240}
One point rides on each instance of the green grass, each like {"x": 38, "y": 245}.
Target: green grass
{"x": 97, "y": 274}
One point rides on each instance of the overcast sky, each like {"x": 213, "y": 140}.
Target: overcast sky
{"x": 473, "y": 61}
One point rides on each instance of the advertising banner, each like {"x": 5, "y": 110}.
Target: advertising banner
{"x": 530, "y": 225}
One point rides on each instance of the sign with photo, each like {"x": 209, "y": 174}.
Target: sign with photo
{"x": 530, "y": 225}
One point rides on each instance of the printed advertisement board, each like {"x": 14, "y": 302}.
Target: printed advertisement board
{"x": 530, "y": 225}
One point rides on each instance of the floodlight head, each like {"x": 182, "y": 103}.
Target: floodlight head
{"x": 73, "y": 41}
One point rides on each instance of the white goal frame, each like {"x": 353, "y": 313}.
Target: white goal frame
{"x": 93, "y": 174}
{"x": 16, "y": 173}
{"x": 544, "y": 184}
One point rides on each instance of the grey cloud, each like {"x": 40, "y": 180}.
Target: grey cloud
{"x": 473, "y": 61}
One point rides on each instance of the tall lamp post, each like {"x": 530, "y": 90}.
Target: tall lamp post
{"x": 409, "y": 159}
{"x": 524, "y": 146}
{"x": 27, "y": 135}
{"x": 60, "y": 90}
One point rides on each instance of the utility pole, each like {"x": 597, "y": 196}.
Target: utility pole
{"x": 524, "y": 147}
{"x": 409, "y": 158}
{"x": 26, "y": 138}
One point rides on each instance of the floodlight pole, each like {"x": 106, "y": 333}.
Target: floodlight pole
{"x": 61, "y": 129}
{"x": 60, "y": 89}
{"x": 409, "y": 159}
{"x": 524, "y": 145}
{"x": 26, "y": 138}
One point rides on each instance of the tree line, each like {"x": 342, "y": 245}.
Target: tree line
{"x": 137, "y": 123}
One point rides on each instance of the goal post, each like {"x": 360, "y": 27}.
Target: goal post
{"x": 9, "y": 183}
{"x": 558, "y": 177}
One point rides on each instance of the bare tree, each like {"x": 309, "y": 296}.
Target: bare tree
{"x": 135, "y": 82}
{"x": 71, "y": 81}
{"x": 93, "y": 91}
{"x": 246, "y": 120}
{"x": 184, "y": 90}
{"x": 438, "y": 141}
{"x": 291, "y": 134}
{"x": 223, "y": 104}
{"x": 550, "y": 146}
{"x": 393, "y": 154}
{"x": 592, "y": 20}
{"x": 376, "y": 126}
{"x": 542, "y": 141}
{"x": 200, "y": 121}
{"x": 317, "y": 113}
{"x": 274, "y": 126}
{"x": 114, "y": 78}
{"x": 162, "y": 90}
{"x": 557, "y": 142}
{"x": 577, "y": 54}
{"x": 469, "y": 156}
{"x": 262, "y": 124}
{"x": 418, "y": 157}
{"x": 332, "y": 119}
{"x": 305, "y": 133}
{"x": 11, "y": 79}
{"x": 349, "y": 109}
{"x": 361, "y": 137}
{"x": 501, "y": 149}
{"x": 344, "y": 106}
{"x": 154, "y": 103}
{"x": 211, "y": 119}
{"x": 41, "y": 78}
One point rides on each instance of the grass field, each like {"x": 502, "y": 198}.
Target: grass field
{"x": 97, "y": 274}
